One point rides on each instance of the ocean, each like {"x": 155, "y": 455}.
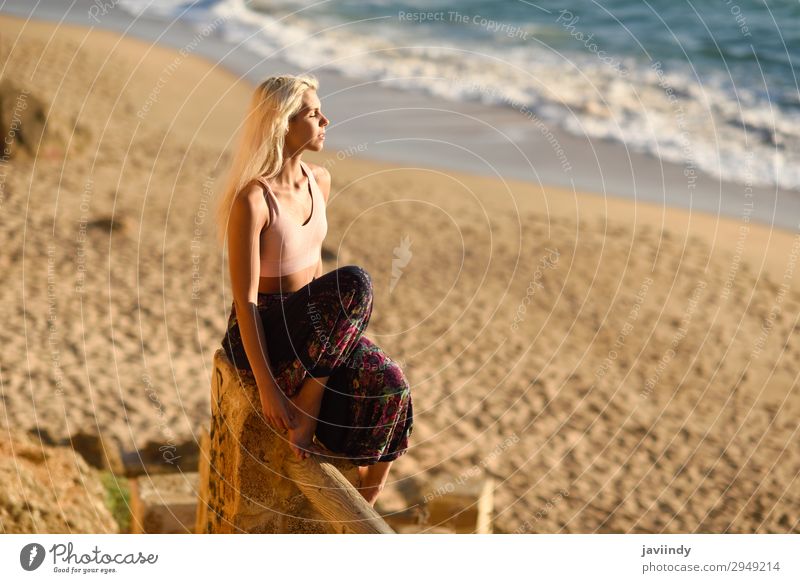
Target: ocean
{"x": 706, "y": 83}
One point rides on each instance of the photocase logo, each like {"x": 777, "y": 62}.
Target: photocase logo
{"x": 31, "y": 556}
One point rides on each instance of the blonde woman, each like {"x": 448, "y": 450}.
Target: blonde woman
{"x": 298, "y": 331}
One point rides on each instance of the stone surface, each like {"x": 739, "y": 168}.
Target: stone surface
{"x": 49, "y": 489}
{"x": 164, "y": 503}
{"x": 463, "y": 505}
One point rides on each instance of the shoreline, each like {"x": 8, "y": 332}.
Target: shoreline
{"x": 468, "y": 137}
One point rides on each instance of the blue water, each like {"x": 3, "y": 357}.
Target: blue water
{"x": 704, "y": 35}
{"x": 708, "y": 83}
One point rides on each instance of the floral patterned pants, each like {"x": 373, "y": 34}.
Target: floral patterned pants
{"x": 366, "y": 412}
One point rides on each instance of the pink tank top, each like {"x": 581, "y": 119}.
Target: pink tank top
{"x": 286, "y": 245}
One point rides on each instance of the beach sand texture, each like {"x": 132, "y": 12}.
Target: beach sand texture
{"x": 617, "y": 367}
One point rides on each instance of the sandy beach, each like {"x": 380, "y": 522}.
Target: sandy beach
{"x": 616, "y": 366}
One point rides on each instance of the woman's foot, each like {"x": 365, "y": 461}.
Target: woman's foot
{"x": 307, "y": 402}
{"x": 301, "y": 438}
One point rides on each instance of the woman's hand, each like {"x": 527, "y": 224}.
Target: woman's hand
{"x": 277, "y": 410}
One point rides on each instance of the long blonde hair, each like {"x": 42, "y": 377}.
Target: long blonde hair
{"x": 261, "y": 141}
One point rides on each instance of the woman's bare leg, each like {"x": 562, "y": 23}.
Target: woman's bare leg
{"x": 372, "y": 480}
{"x": 307, "y": 400}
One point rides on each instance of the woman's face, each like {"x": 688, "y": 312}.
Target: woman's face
{"x": 307, "y": 127}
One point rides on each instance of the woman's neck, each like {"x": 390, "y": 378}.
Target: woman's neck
{"x": 290, "y": 176}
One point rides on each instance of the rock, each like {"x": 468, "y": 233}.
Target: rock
{"x": 97, "y": 452}
{"x": 164, "y": 504}
{"x": 49, "y": 489}
{"x": 462, "y": 505}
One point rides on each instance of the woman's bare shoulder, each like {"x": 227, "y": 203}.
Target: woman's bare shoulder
{"x": 323, "y": 177}
{"x": 250, "y": 204}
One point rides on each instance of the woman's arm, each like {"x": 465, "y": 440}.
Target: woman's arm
{"x": 249, "y": 214}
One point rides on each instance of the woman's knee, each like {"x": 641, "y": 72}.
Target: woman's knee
{"x": 348, "y": 287}
{"x": 354, "y": 277}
